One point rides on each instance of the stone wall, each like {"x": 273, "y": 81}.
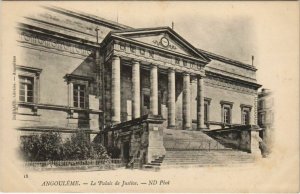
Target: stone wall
{"x": 142, "y": 138}
{"x": 52, "y": 105}
{"x": 245, "y": 138}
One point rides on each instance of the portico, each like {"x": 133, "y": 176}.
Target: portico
{"x": 170, "y": 56}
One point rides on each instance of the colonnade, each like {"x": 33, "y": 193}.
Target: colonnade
{"x": 136, "y": 89}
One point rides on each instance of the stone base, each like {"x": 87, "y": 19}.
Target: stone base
{"x": 172, "y": 127}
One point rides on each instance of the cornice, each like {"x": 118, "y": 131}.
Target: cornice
{"x": 149, "y": 46}
{"x": 118, "y": 26}
{"x": 79, "y": 77}
{"x": 227, "y": 78}
{"x": 57, "y": 35}
{"x": 227, "y": 60}
{"x": 37, "y": 71}
{"x": 223, "y": 72}
{"x": 89, "y": 18}
{"x": 164, "y": 29}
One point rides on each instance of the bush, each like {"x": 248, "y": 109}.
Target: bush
{"x": 43, "y": 147}
{"x": 49, "y": 147}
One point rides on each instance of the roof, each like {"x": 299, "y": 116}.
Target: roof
{"x": 88, "y": 17}
{"x": 226, "y": 60}
{"x": 120, "y": 28}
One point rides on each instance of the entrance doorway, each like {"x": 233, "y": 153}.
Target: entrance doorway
{"x": 145, "y": 103}
{"x": 126, "y": 148}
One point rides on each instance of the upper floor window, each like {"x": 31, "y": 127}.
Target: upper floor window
{"x": 226, "y": 111}
{"x": 26, "y": 88}
{"x": 79, "y": 93}
{"x": 245, "y": 114}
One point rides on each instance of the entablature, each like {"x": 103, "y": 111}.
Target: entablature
{"x": 147, "y": 55}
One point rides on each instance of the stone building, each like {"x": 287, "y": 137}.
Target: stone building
{"x": 266, "y": 116}
{"x": 81, "y": 71}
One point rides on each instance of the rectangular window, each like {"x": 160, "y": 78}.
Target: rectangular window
{"x": 206, "y": 109}
{"x": 226, "y": 108}
{"x": 245, "y": 114}
{"x": 226, "y": 115}
{"x": 205, "y": 112}
{"x": 26, "y": 85}
{"x": 245, "y": 117}
{"x": 79, "y": 95}
{"x": 261, "y": 119}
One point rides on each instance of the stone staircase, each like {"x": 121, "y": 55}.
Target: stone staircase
{"x": 154, "y": 164}
{"x": 198, "y": 158}
{"x": 196, "y": 149}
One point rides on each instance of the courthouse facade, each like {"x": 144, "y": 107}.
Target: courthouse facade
{"x": 80, "y": 71}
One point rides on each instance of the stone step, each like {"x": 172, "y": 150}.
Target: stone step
{"x": 205, "y": 161}
{"x": 203, "y": 154}
{"x": 205, "y": 158}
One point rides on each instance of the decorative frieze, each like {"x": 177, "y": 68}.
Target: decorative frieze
{"x": 229, "y": 85}
{"x": 127, "y": 51}
{"x": 52, "y": 43}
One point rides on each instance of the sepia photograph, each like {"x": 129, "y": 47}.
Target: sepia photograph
{"x": 155, "y": 96}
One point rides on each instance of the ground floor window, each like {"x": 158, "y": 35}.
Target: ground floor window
{"x": 26, "y": 85}
{"x": 79, "y": 93}
{"x": 79, "y": 89}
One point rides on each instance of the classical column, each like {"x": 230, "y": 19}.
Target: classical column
{"x": 153, "y": 90}
{"x": 200, "y": 103}
{"x": 186, "y": 102}
{"x": 116, "y": 89}
{"x": 171, "y": 98}
{"x": 136, "y": 107}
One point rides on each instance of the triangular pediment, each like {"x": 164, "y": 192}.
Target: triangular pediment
{"x": 164, "y": 38}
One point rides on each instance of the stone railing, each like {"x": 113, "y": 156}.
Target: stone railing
{"x": 98, "y": 164}
{"x": 245, "y": 137}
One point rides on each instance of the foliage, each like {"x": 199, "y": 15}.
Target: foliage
{"x": 49, "y": 146}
